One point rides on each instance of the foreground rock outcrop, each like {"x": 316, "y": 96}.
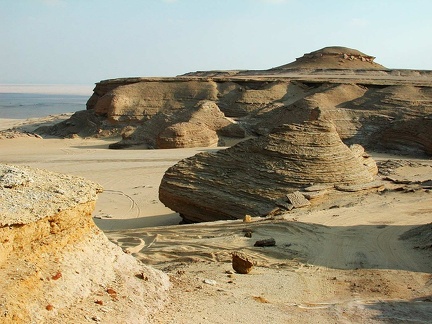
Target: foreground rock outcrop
{"x": 56, "y": 265}
{"x": 276, "y": 172}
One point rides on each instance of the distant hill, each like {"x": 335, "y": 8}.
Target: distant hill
{"x": 334, "y": 57}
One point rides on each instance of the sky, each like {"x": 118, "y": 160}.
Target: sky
{"x": 85, "y": 41}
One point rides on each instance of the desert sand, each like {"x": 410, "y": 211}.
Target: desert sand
{"x": 349, "y": 263}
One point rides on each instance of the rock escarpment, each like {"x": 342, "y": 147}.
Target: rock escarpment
{"x": 388, "y": 117}
{"x": 368, "y": 103}
{"x": 55, "y": 263}
{"x": 261, "y": 176}
{"x": 141, "y": 101}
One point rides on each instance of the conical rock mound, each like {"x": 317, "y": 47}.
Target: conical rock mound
{"x": 255, "y": 176}
{"x": 195, "y": 126}
{"x": 334, "y": 57}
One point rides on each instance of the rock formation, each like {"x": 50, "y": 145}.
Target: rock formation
{"x": 368, "y": 103}
{"x": 141, "y": 101}
{"x": 255, "y": 176}
{"x": 56, "y": 265}
{"x": 189, "y": 127}
{"x": 334, "y": 57}
{"x": 389, "y": 117}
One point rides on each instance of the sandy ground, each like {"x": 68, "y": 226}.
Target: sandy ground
{"x": 346, "y": 264}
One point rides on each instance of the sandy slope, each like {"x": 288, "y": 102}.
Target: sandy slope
{"x": 345, "y": 264}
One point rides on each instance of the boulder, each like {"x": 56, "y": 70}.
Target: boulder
{"x": 297, "y": 200}
{"x": 241, "y": 263}
{"x": 186, "y": 134}
{"x": 255, "y": 176}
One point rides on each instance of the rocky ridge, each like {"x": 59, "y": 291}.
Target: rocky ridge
{"x": 368, "y": 103}
{"x": 56, "y": 265}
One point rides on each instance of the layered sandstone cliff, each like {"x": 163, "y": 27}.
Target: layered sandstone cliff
{"x": 368, "y": 103}
{"x": 56, "y": 265}
{"x": 388, "y": 117}
{"x": 261, "y": 176}
{"x": 196, "y": 126}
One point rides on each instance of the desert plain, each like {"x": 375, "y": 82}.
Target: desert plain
{"x": 360, "y": 258}
{"x": 345, "y": 264}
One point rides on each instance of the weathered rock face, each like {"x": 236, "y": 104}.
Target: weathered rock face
{"x": 377, "y": 117}
{"x": 411, "y": 135}
{"x": 55, "y": 263}
{"x": 336, "y": 57}
{"x": 141, "y": 101}
{"x": 255, "y": 176}
{"x": 186, "y": 134}
{"x": 83, "y": 123}
{"x": 190, "y": 127}
{"x": 368, "y": 103}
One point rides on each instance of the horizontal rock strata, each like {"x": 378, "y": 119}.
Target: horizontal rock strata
{"x": 142, "y": 100}
{"x": 335, "y": 57}
{"x": 196, "y": 126}
{"x": 255, "y": 176}
{"x": 368, "y": 103}
{"x": 55, "y": 263}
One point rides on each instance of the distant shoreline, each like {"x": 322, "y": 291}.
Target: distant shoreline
{"x": 70, "y": 89}
{"x": 24, "y": 105}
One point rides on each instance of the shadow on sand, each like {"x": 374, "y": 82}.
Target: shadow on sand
{"x": 107, "y": 224}
{"x": 339, "y": 247}
{"x": 418, "y": 310}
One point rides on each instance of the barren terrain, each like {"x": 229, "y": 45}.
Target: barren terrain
{"x": 346, "y": 263}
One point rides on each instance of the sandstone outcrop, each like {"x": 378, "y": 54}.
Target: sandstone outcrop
{"x": 390, "y": 117}
{"x": 186, "y": 134}
{"x": 84, "y": 123}
{"x": 141, "y": 101}
{"x": 255, "y": 176}
{"x": 368, "y": 103}
{"x": 334, "y": 57}
{"x": 55, "y": 263}
{"x": 195, "y": 126}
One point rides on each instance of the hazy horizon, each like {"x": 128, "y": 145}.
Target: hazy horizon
{"x": 53, "y": 89}
{"x": 83, "y": 42}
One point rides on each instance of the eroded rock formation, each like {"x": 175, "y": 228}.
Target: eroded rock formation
{"x": 388, "y": 117}
{"x": 255, "y": 176}
{"x": 334, "y": 57}
{"x": 55, "y": 263}
{"x": 141, "y": 101}
{"x": 195, "y": 126}
{"x": 368, "y": 103}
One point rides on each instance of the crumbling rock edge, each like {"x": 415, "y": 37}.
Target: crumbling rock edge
{"x": 56, "y": 263}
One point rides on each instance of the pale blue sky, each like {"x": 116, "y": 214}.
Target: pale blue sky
{"x": 84, "y": 41}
